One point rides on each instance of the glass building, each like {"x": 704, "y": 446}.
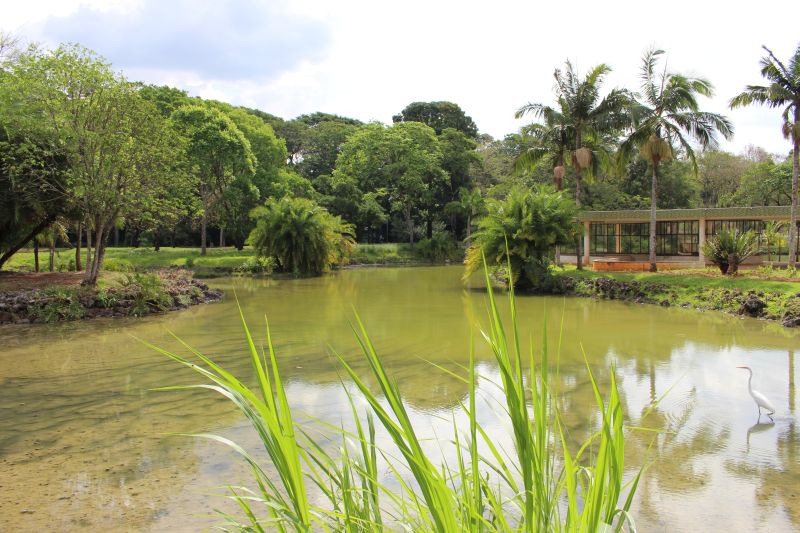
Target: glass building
{"x": 619, "y": 240}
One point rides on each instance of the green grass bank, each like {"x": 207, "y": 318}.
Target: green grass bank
{"x": 222, "y": 261}
{"x": 766, "y": 293}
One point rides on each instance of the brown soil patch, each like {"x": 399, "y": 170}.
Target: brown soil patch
{"x": 14, "y": 281}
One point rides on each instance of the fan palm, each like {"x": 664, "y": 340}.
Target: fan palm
{"x": 580, "y": 120}
{"x": 783, "y": 91}
{"x": 668, "y": 116}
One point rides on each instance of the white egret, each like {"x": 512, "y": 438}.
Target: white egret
{"x": 760, "y": 399}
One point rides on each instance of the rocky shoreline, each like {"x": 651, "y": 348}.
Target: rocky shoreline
{"x": 766, "y": 305}
{"x": 135, "y": 295}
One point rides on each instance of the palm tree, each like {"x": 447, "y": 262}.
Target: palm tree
{"x": 783, "y": 90}
{"x": 585, "y": 116}
{"x": 669, "y": 116}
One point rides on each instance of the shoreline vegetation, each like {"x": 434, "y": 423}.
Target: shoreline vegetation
{"x": 760, "y": 293}
{"x": 47, "y": 298}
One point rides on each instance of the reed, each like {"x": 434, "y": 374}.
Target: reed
{"x": 539, "y": 486}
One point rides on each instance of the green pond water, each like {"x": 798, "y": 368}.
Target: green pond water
{"x": 85, "y": 443}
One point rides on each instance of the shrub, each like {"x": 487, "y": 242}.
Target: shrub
{"x": 728, "y": 249}
{"x": 302, "y": 237}
{"x": 438, "y": 248}
{"x": 522, "y": 232}
{"x": 257, "y": 265}
{"x": 146, "y": 292}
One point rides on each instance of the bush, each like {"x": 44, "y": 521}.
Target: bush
{"x": 522, "y": 232}
{"x": 146, "y": 292}
{"x": 728, "y": 249}
{"x": 302, "y": 237}
{"x": 440, "y": 247}
{"x": 257, "y": 265}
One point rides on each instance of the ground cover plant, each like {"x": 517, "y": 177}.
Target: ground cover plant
{"x": 766, "y": 292}
{"x": 542, "y": 485}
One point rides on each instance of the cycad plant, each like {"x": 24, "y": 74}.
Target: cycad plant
{"x": 729, "y": 249}
{"x": 542, "y": 485}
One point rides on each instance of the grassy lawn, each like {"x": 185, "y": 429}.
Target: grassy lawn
{"x": 761, "y": 279}
{"x": 699, "y": 288}
{"x": 218, "y": 261}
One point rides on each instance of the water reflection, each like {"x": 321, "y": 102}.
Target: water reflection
{"x": 82, "y": 434}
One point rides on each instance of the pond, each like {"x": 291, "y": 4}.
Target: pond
{"x": 87, "y": 445}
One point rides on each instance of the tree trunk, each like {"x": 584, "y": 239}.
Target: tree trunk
{"x": 23, "y": 242}
{"x": 78, "y": 266}
{"x": 93, "y": 271}
{"x": 35, "y": 255}
{"x": 579, "y": 242}
{"x": 795, "y": 172}
{"x": 88, "y": 248}
{"x": 52, "y": 258}
{"x": 469, "y": 230}
{"x": 429, "y": 229}
{"x": 653, "y": 191}
{"x": 409, "y": 225}
{"x": 221, "y": 237}
{"x": 116, "y": 236}
{"x": 203, "y": 220}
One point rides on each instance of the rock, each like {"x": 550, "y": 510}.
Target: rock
{"x": 752, "y": 306}
{"x": 664, "y": 303}
{"x": 792, "y": 322}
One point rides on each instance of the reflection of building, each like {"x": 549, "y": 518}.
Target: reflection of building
{"x": 619, "y": 240}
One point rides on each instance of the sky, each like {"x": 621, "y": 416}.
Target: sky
{"x": 369, "y": 59}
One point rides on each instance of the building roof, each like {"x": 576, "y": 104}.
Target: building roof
{"x": 709, "y": 213}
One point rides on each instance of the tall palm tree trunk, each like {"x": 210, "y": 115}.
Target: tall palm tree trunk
{"x": 795, "y": 172}
{"x": 653, "y": 193}
{"x": 579, "y": 243}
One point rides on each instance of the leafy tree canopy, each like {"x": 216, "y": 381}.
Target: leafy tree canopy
{"x": 439, "y": 116}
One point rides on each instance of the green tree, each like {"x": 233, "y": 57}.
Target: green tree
{"x": 669, "y": 115}
{"x": 439, "y": 116}
{"x": 382, "y": 171}
{"x": 719, "y": 174}
{"x": 116, "y": 144}
{"x": 783, "y": 91}
{"x": 217, "y": 150}
{"x": 522, "y": 231}
{"x": 587, "y": 117}
{"x": 302, "y": 237}
{"x": 33, "y": 181}
{"x": 321, "y": 146}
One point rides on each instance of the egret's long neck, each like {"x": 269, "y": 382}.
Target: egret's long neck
{"x": 750, "y": 381}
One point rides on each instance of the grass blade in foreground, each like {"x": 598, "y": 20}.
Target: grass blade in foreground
{"x": 541, "y": 487}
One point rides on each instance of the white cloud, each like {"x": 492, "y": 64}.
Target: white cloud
{"x": 490, "y": 58}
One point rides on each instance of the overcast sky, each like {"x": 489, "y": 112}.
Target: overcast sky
{"x": 369, "y": 59}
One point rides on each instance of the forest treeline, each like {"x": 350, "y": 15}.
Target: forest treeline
{"x": 90, "y": 158}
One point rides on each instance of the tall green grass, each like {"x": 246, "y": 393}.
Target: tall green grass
{"x": 539, "y": 486}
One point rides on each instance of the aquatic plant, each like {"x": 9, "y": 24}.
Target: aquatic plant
{"x": 541, "y": 486}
